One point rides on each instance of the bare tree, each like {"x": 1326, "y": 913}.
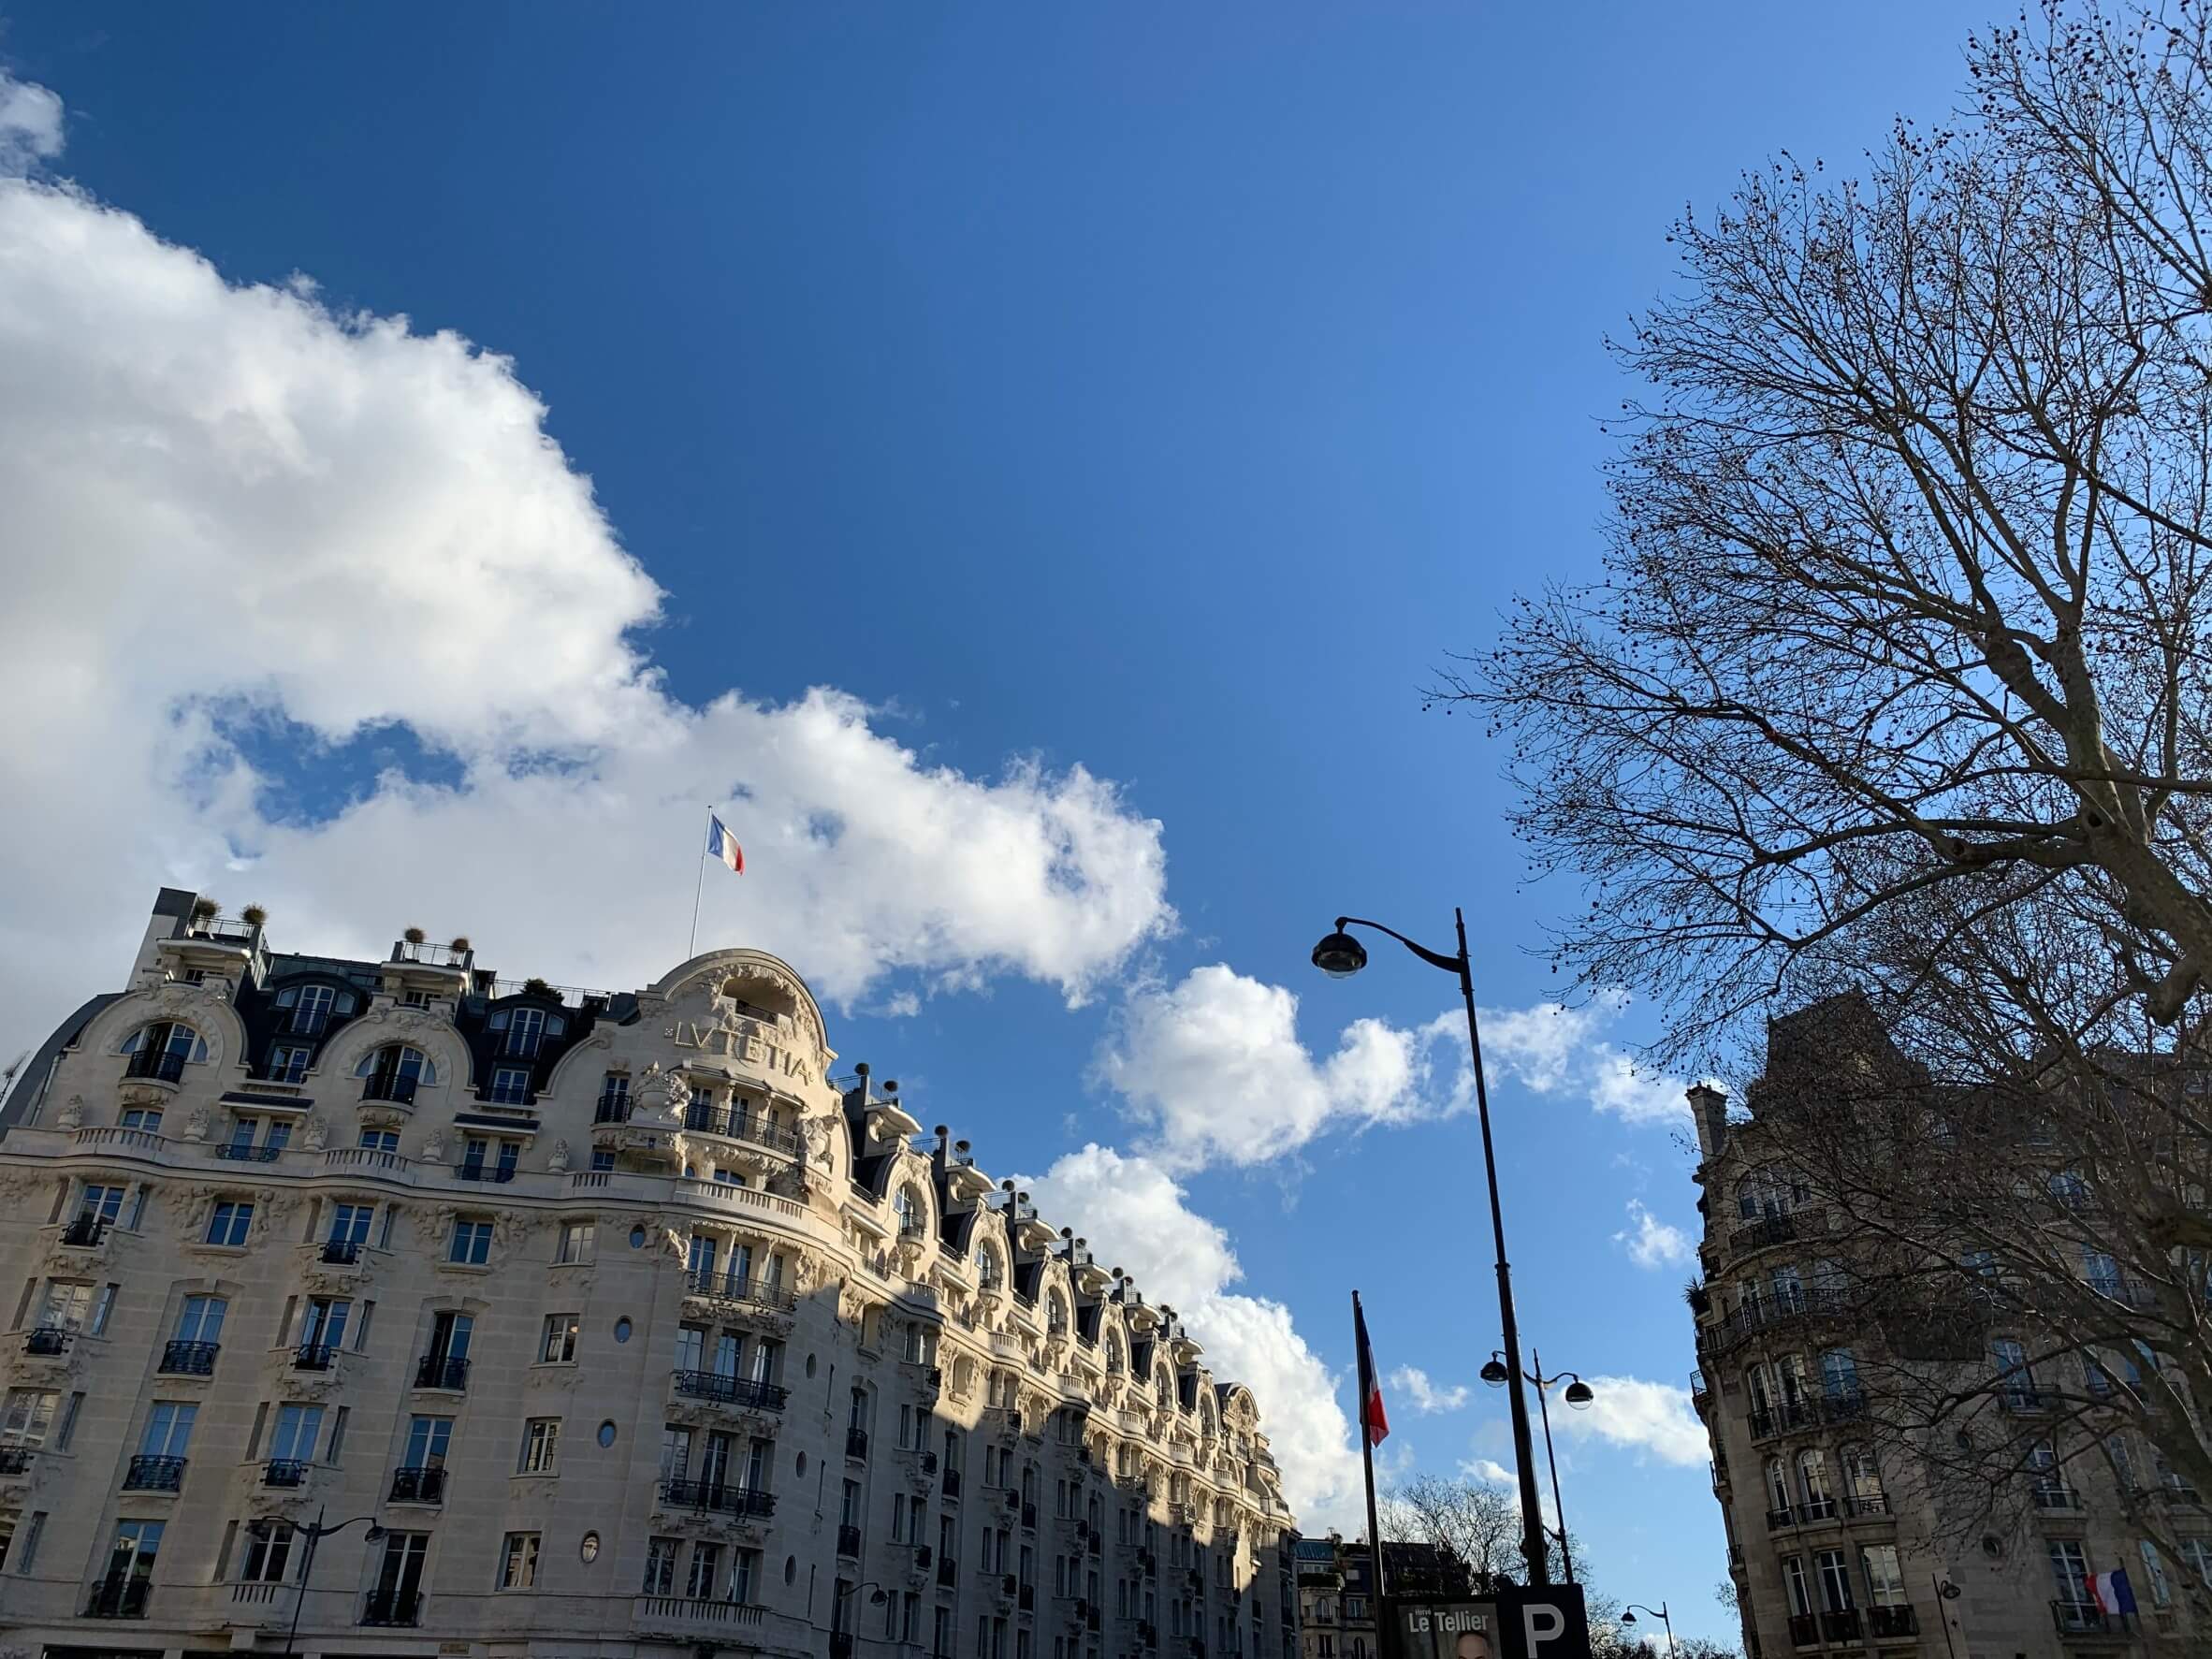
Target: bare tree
{"x": 1908, "y": 560}
{"x": 1471, "y": 1521}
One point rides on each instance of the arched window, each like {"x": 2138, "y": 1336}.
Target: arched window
{"x": 394, "y": 1072}
{"x": 163, "y": 1049}
{"x": 1163, "y": 1384}
{"x": 1778, "y": 1489}
{"x": 1819, "y": 1497}
{"x": 1755, "y": 1388}
{"x": 990, "y": 1267}
{"x": 1116, "y": 1361}
{"x": 914, "y": 1213}
{"x": 1768, "y": 1192}
{"x": 1839, "y": 1376}
{"x": 1862, "y": 1481}
{"x": 1789, "y": 1289}
{"x": 1056, "y": 1314}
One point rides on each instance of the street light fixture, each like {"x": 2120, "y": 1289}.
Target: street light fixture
{"x": 314, "y": 1532}
{"x": 1629, "y": 1617}
{"x": 1340, "y": 956}
{"x": 1577, "y": 1395}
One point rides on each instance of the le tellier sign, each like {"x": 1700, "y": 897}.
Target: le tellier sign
{"x": 1546, "y": 1622}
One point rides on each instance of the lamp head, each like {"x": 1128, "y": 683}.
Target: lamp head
{"x": 1578, "y": 1395}
{"x": 878, "y": 1598}
{"x": 374, "y": 1535}
{"x": 1629, "y": 1618}
{"x": 1494, "y": 1373}
{"x": 1340, "y": 956}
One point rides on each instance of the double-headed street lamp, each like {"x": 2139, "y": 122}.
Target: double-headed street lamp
{"x": 1340, "y": 956}
{"x": 1578, "y": 1396}
{"x": 1629, "y": 1617}
{"x": 314, "y": 1532}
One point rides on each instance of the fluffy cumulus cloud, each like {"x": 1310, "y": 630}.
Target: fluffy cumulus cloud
{"x": 1411, "y": 1384}
{"x": 1648, "y": 1417}
{"x": 1652, "y": 1243}
{"x": 1551, "y": 1048}
{"x": 1138, "y": 1214}
{"x": 1214, "y": 1068}
{"x": 239, "y": 523}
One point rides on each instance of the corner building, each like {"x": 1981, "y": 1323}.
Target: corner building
{"x": 629, "y": 1331}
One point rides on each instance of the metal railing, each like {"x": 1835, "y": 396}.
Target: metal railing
{"x": 1888, "y": 1621}
{"x": 442, "y": 1371}
{"x": 848, "y": 1541}
{"x": 159, "y": 1066}
{"x": 418, "y": 1483}
{"x": 391, "y": 1608}
{"x": 314, "y": 1356}
{"x": 15, "y": 1458}
{"x": 744, "y": 1287}
{"x": 242, "y": 1151}
{"x": 85, "y": 1232}
{"x": 477, "y": 1170}
{"x": 284, "y": 1471}
{"x": 715, "y": 1497}
{"x": 731, "y": 1390}
{"x": 611, "y": 1109}
{"x": 341, "y": 1252}
{"x": 1858, "y": 1503}
{"x": 856, "y": 1443}
{"x": 704, "y": 1118}
{"x": 395, "y": 1087}
{"x": 189, "y": 1358}
{"x": 118, "y": 1598}
{"x": 149, "y": 1472}
{"x": 1839, "y": 1625}
{"x": 46, "y": 1341}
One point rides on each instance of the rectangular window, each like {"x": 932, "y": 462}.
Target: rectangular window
{"x": 541, "y": 1445}
{"x": 472, "y": 1242}
{"x": 526, "y": 1029}
{"x": 575, "y": 1241}
{"x": 558, "y": 1347}
{"x": 26, "y": 1416}
{"x": 2154, "y": 1574}
{"x": 269, "y": 1552}
{"x": 2069, "y": 1575}
{"x": 168, "y": 1429}
{"x": 1799, "y": 1586}
{"x": 324, "y": 1324}
{"x": 380, "y": 1140}
{"x": 299, "y": 1432}
{"x": 706, "y": 1560}
{"x": 1885, "y": 1582}
{"x": 230, "y": 1223}
{"x": 510, "y": 1085}
{"x": 102, "y": 1202}
{"x": 398, "y": 1593}
{"x": 518, "y": 1562}
{"x": 660, "y": 1572}
{"x": 141, "y": 1118}
{"x": 67, "y": 1304}
{"x": 311, "y": 1009}
{"x": 428, "y": 1441}
{"x": 287, "y": 1062}
{"x": 744, "y": 1576}
{"x": 350, "y": 1223}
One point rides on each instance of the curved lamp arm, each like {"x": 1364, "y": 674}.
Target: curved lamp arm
{"x": 1449, "y": 963}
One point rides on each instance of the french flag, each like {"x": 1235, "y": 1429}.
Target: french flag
{"x": 2111, "y": 1590}
{"x": 721, "y": 844}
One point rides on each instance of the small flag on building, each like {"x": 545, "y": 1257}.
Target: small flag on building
{"x": 1372, "y": 1419}
{"x": 2113, "y": 1593}
{"x": 721, "y": 844}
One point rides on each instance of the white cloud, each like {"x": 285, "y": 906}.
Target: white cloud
{"x": 1488, "y": 1470}
{"x": 1652, "y": 1243}
{"x": 1215, "y": 1067}
{"x": 1649, "y": 1416}
{"x": 1411, "y": 1384}
{"x": 1136, "y": 1216}
{"x": 30, "y": 125}
{"x": 231, "y": 507}
{"x": 1551, "y": 1048}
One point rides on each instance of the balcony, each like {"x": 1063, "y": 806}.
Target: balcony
{"x": 285, "y": 1472}
{"x": 341, "y": 1252}
{"x": 189, "y": 1358}
{"x": 2056, "y": 1497}
{"x": 2078, "y": 1618}
{"x": 652, "y": 1610}
{"x": 948, "y": 1574}
{"x": 118, "y": 1598}
{"x": 1813, "y": 1509}
{"x": 1841, "y": 1626}
{"x": 856, "y": 1444}
{"x": 749, "y": 1291}
{"x": 1860, "y": 1506}
{"x": 840, "y": 1644}
{"x": 849, "y": 1542}
{"x": 395, "y": 1087}
{"x": 48, "y": 1342}
{"x": 442, "y": 1371}
{"x": 1804, "y": 1630}
{"x": 1029, "y": 1517}
{"x": 731, "y": 1391}
{"x": 147, "y": 1473}
{"x": 702, "y": 1118}
{"x": 2020, "y": 1400}
{"x": 391, "y": 1608}
{"x": 477, "y": 1170}
{"x": 1843, "y": 1407}
{"x": 245, "y": 1152}
{"x": 155, "y": 1068}
{"x": 419, "y": 1483}
{"x": 1026, "y": 1598}
{"x": 1777, "y": 1229}
{"x": 713, "y": 1497}
{"x": 15, "y": 1459}
{"x": 950, "y": 1486}
{"x": 314, "y": 1356}
{"x": 1778, "y": 1518}
{"x": 1886, "y": 1623}
{"x": 611, "y": 1109}
{"x": 85, "y": 1232}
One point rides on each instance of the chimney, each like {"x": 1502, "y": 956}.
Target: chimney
{"x": 1710, "y": 1107}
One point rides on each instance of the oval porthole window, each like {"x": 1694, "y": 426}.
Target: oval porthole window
{"x": 622, "y": 1330}
{"x": 637, "y": 1238}
{"x": 809, "y": 1364}
{"x": 801, "y": 1463}
{"x": 588, "y": 1549}
{"x": 607, "y": 1432}
{"x": 790, "y": 1568}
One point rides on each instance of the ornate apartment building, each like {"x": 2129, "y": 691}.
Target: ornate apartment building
{"x": 1834, "y": 1541}
{"x": 439, "y": 1315}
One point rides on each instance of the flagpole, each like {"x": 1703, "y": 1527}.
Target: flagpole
{"x": 1385, "y": 1624}
{"x": 699, "y": 887}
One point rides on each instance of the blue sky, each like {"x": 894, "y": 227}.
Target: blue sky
{"x": 1154, "y": 392}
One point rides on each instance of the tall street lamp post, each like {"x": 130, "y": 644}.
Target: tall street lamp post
{"x": 1578, "y": 1396}
{"x": 1629, "y": 1617}
{"x": 314, "y": 1532}
{"x": 1340, "y": 956}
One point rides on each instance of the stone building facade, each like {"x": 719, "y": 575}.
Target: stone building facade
{"x": 588, "y": 1324}
{"x": 1834, "y": 1545}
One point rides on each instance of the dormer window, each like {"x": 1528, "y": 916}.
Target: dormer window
{"x": 525, "y": 1029}
{"x": 1056, "y": 1314}
{"x": 990, "y": 1268}
{"x": 912, "y": 1212}
{"x": 310, "y": 1008}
